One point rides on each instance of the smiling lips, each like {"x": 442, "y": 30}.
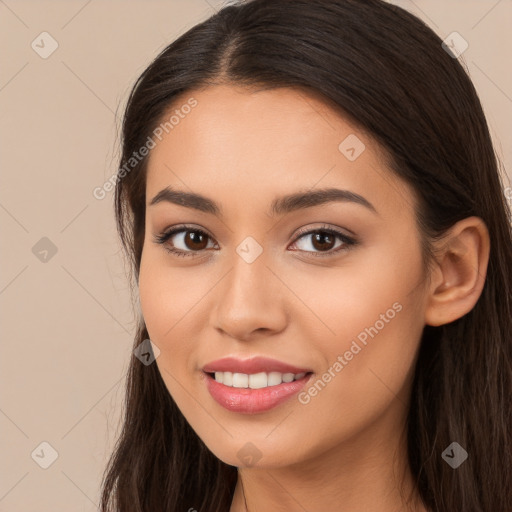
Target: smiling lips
{"x": 253, "y": 385}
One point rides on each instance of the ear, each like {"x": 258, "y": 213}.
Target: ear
{"x": 458, "y": 276}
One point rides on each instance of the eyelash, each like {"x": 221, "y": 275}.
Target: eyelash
{"x": 348, "y": 242}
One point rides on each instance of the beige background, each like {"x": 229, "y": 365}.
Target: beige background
{"x": 67, "y": 323}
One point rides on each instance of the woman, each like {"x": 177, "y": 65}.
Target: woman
{"x": 312, "y": 206}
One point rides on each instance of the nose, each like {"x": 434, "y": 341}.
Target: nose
{"x": 250, "y": 300}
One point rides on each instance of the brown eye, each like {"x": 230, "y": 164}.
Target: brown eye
{"x": 195, "y": 240}
{"x": 183, "y": 241}
{"x": 323, "y": 242}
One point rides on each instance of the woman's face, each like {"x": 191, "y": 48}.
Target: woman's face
{"x": 344, "y": 306}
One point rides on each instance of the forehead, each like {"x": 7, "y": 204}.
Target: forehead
{"x": 236, "y": 141}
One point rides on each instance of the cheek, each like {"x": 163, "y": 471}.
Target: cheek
{"x": 377, "y": 319}
{"x": 163, "y": 302}
{"x": 167, "y": 299}
{"x": 163, "y": 293}
{"x": 153, "y": 300}
{"x": 350, "y": 299}
{"x": 173, "y": 305}
{"x": 367, "y": 373}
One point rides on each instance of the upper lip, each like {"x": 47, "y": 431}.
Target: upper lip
{"x": 253, "y": 365}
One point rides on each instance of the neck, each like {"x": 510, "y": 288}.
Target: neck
{"x": 367, "y": 473}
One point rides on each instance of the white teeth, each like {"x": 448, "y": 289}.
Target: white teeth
{"x": 274, "y": 378}
{"x": 240, "y": 380}
{"x": 255, "y": 380}
{"x": 258, "y": 380}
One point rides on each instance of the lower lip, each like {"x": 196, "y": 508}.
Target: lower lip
{"x": 250, "y": 401}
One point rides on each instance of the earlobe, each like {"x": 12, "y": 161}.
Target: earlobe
{"x": 459, "y": 273}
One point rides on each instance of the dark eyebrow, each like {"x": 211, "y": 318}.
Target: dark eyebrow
{"x": 308, "y": 199}
{"x": 280, "y": 206}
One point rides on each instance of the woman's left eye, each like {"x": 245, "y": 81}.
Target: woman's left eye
{"x": 324, "y": 240}
{"x": 192, "y": 240}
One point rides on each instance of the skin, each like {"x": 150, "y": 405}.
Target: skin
{"x": 243, "y": 149}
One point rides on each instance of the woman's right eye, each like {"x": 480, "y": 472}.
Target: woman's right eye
{"x": 185, "y": 241}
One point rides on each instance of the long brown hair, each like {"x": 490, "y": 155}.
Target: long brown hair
{"x": 387, "y": 71}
